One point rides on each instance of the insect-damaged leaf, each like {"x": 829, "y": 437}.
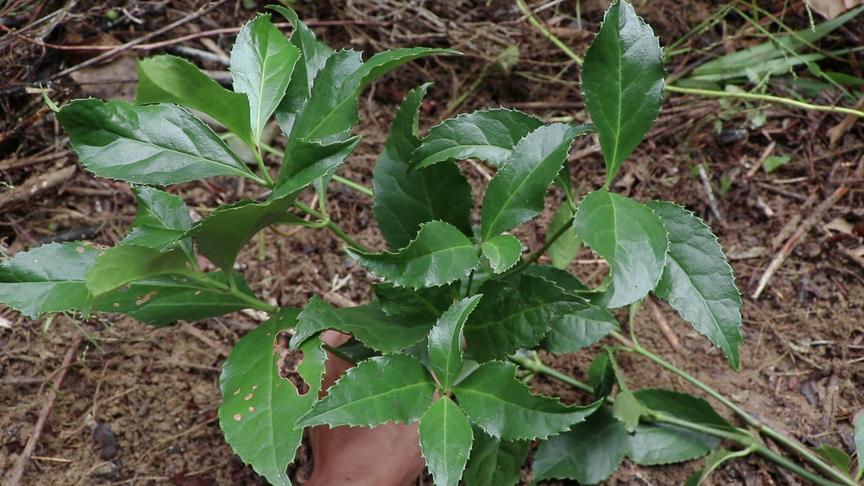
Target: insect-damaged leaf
{"x": 623, "y": 79}
{"x": 154, "y": 144}
{"x": 445, "y": 341}
{"x": 259, "y": 406}
{"x": 171, "y": 79}
{"x": 698, "y": 281}
{"x": 393, "y": 388}
{"x": 405, "y": 198}
{"x": 439, "y": 255}
{"x": 488, "y": 135}
{"x": 506, "y": 408}
{"x": 262, "y": 61}
{"x": 630, "y": 237}
{"x": 445, "y": 439}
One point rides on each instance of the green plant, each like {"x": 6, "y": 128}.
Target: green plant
{"x": 444, "y": 281}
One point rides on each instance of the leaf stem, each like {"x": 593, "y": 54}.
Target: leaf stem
{"x": 331, "y": 225}
{"x": 353, "y": 185}
{"x": 229, "y": 289}
{"x": 752, "y": 421}
{"x": 259, "y": 159}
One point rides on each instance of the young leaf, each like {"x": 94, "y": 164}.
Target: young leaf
{"x": 494, "y": 462}
{"x": 654, "y": 444}
{"x": 368, "y": 323}
{"x": 49, "y": 278}
{"x": 515, "y": 313}
{"x": 505, "y": 408}
{"x": 120, "y": 265}
{"x": 697, "y": 280}
{"x": 835, "y": 457}
{"x": 163, "y": 300}
{"x": 445, "y": 341}
{"x": 222, "y": 235}
{"x": 623, "y": 80}
{"x": 601, "y": 375}
{"x": 488, "y": 135}
{"x": 259, "y": 406}
{"x": 859, "y": 443}
{"x": 502, "y": 251}
{"x": 262, "y": 61}
{"x": 154, "y": 144}
{"x": 404, "y": 199}
{"x": 628, "y": 409}
{"x": 161, "y": 222}
{"x": 516, "y": 193}
{"x": 579, "y": 326}
{"x": 563, "y": 250}
{"x": 312, "y": 161}
{"x": 630, "y": 237}
{"x": 589, "y": 453}
{"x": 439, "y": 255}
{"x": 445, "y": 439}
{"x": 171, "y": 79}
{"x": 393, "y": 388}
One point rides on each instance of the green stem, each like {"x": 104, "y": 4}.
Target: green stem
{"x": 537, "y": 254}
{"x": 233, "y": 290}
{"x": 546, "y": 33}
{"x": 263, "y": 168}
{"x": 332, "y": 226}
{"x": 752, "y": 421}
{"x": 353, "y": 185}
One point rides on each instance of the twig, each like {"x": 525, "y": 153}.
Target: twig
{"x": 663, "y": 324}
{"x": 798, "y": 236}
{"x": 36, "y": 184}
{"x": 117, "y": 50}
{"x": 18, "y": 470}
{"x": 712, "y": 201}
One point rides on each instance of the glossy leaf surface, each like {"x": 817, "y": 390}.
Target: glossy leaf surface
{"x": 494, "y": 462}
{"x": 259, "y": 406}
{"x": 502, "y": 251}
{"x": 153, "y": 144}
{"x": 439, "y": 255}
{"x": 698, "y": 281}
{"x": 445, "y": 341}
{"x": 505, "y": 408}
{"x": 630, "y": 237}
{"x": 404, "y": 198}
{"x": 578, "y": 327}
{"x": 394, "y": 388}
{"x": 445, "y": 439}
{"x": 161, "y": 222}
{"x": 488, "y": 135}
{"x": 120, "y": 265}
{"x": 623, "y": 79}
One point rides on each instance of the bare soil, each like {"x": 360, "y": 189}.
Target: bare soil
{"x": 138, "y": 406}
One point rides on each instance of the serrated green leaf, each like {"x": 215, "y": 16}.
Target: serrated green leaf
{"x": 515, "y": 313}
{"x": 120, "y": 265}
{"x": 494, "y": 462}
{"x": 161, "y": 301}
{"x": 628, "y": 409}
{"x": 439, "y": 255}
{"x": 564, "y": 280}
{"x": 630, "y": 237}
{"x": 425, "y": 304}
{"x": 262, "y": 62}
{"x": 589, "y": 453}
{"x": 502, "y": 251}
{"x": 154, "y": 144}
{"x": 563, "y": 250}
{"x": 259, "y": 406}
{"x": 445, "y": 439}
{"x": 655, "y": 444}
{"x": 312, "y": 161}
{"x": 161, "y": 222}
{"x": 49, "y": 278}
{"x": 859, "y": 443}
{"x": 697, "y": 280}
{"x": 578, "y": 327}
{"x": 516, "y": 193}
{"x": 488, "y": 135}
{"x": 505, "y": 408}
{"x": 394, "y": 388}
{"x": 623, "y": 79}
{"x": 835, "y": 456}
{"x": 223, "y": 234}
{"x": 445, "y": 341}
{"x": 404, "y": 198}
{"x": 171, "y": 79}
{"x": 601, "y": 375}
{"x": 367, "y": 323}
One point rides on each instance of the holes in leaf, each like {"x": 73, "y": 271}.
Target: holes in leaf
{"x": 289, "y": 362}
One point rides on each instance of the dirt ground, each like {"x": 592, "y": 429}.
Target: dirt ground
{"x": 138, "y": 405}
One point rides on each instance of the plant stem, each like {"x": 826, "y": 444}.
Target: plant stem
{"x": 537, "y": 254}
{"x": 353, "y": 185}
{"x": 546, "y": 33}
{"x": 742, "y": 437}
{"x": 335, "y": 228}
{"x": 752, "y": 421}
{"x": 263, "y": 168}
{"x": 231, "y": 289}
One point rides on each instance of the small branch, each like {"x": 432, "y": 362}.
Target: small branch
{"x": 18, "y": 471}
{"x": 353, "y": 185}
{"x": 335, "y": 228}
{"x": 537, "y": 254}
{"x": 547, "y": 33}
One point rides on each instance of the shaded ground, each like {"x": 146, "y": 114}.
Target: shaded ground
{"x": 156, "y": 389}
